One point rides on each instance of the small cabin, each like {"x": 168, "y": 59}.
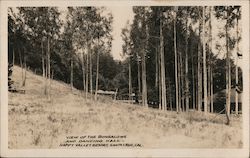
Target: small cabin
{"x": 220, "y": 100}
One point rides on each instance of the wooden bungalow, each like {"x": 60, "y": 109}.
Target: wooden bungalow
{"x": 220, "y": 100}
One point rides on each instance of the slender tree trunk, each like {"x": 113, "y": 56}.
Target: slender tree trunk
{"x": 170, "y": 96}
{"x": 197, "y": 85}
{"x": 43, "y": 68}
{"x": 87, "y": 71}
{"x": 167, "y": 94}
{"x": 156, "y": 69}
{"x": 144, "y": 79}
{"x": 228, "y": 75}
{"x": 229, "y": 82}
{"x": 71, "y": 72}
{"x": 193, "y": 80}
{"x": 13, "y": 56}
{"x": 20, "y": 56}
{"x": 130, "y": 82}
{"x": 182, "y": 77}
{"x": 181, "y": 87}
{"x": 48, "y": 71}
{"x": 199, "y": 70}
{"x": 209, "y": 89}
{"x": 163, "y": 79}
{"x": 25, "y": 67}
{"x": 159, "y": 80}
{"x": 236, "y": 69}
{"x": 46, "y": 74}
{"x": 171, "y": 101}
{"x": 199, "y": 94}
{"x": 204, "y": 61}
{"x": 97, "y": 74}
{"x": 144, "y": 84}
{"x": 52, "y": 74}
{"x": 193, "y": 85}
{"x": 21, "y": 62}
{"x": 116, "y": 90}
{"x": 176, "y": 68}
{"x": 139, "y": 77}
{"x": 209, "y": 86}
{"x": 212, "y": 91}
{"x": 83, "y": 72}
{"x": 200, "y": 81}
{"x": 90, "y": 74}
{"x": 209, "y": 59}
{"x": 186, "y": 67}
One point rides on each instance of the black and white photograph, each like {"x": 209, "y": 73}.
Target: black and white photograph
{"x": 130, "y": 78}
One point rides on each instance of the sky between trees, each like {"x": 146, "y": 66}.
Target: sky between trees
{"x": 121, "y": 15}
{"x": 124, "y": 14}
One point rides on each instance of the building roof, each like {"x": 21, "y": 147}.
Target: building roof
{"x": 106, "y": 92}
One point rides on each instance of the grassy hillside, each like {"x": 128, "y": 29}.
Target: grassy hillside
{"x": 35, "y": 122}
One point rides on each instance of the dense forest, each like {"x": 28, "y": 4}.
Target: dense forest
{"x": 172, "y": 57}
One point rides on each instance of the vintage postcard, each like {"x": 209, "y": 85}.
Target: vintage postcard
{"x": 166, "y": 78}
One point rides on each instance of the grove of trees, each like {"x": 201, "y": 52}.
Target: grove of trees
{"x": 76, "y": 50}
{"x": 173, "y": 59}
{"x": 183, "y": 62}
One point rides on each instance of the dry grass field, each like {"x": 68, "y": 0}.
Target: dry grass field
{"x": 36, "y": 122}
